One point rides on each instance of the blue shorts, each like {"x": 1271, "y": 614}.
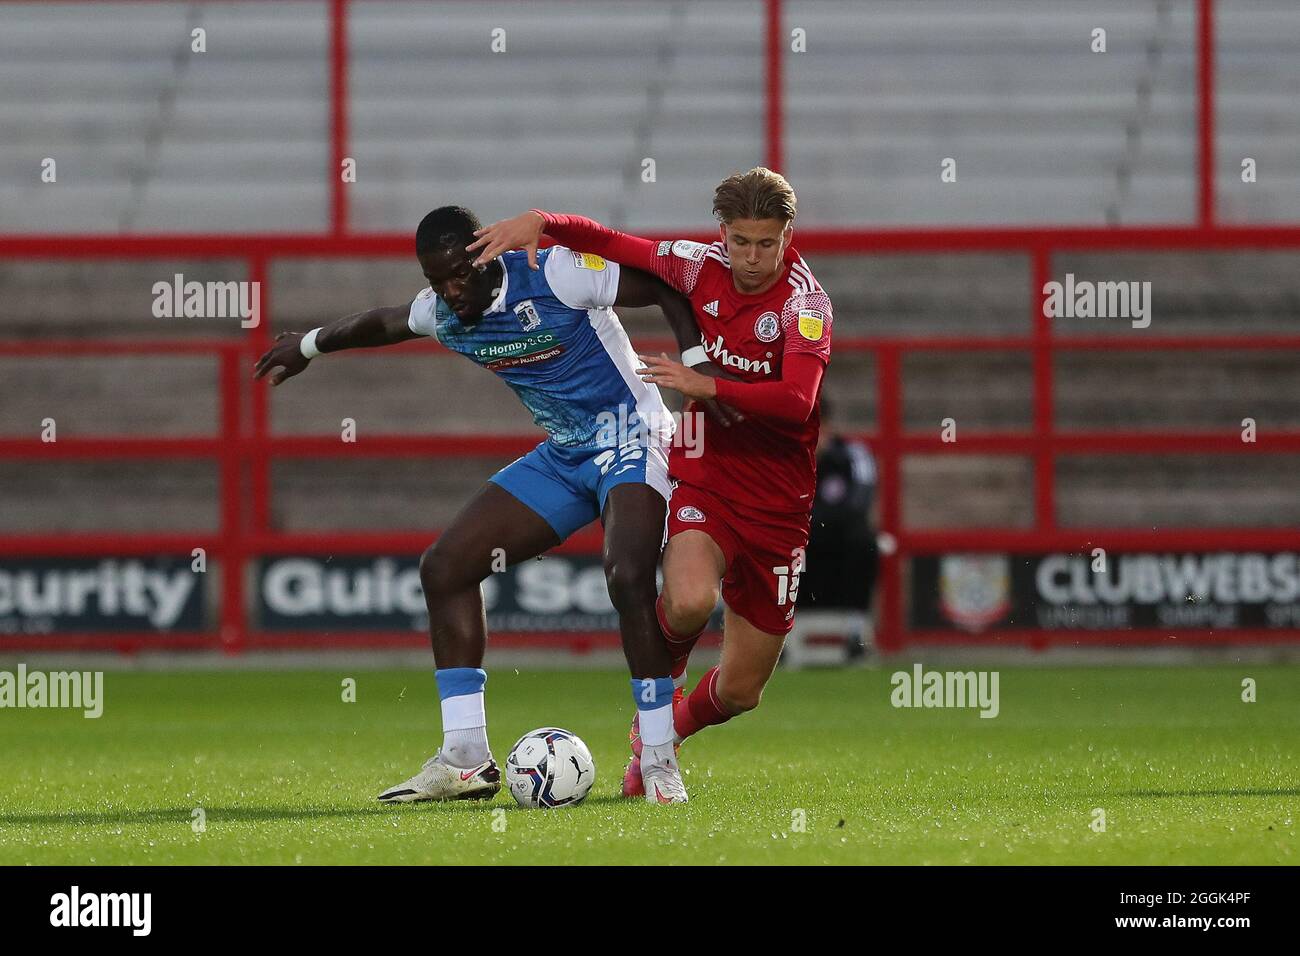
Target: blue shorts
{"x": 568, "y": 486}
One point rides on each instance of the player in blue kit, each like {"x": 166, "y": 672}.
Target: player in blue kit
{"x": 552, "y": 336}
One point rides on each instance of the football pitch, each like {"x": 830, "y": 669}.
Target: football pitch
{"x": 229, "y": 767}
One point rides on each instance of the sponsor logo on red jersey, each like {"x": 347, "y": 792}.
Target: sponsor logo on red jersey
{"x": 718, "y": 351}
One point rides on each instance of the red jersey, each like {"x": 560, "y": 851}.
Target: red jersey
{"x": 776, "y": 342}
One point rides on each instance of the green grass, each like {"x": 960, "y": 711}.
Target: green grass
{"x": 287, "y": 773}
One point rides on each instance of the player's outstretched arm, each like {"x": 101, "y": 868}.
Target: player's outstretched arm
{"x": 289, "y": 355}
{"x": 584, "y": 235}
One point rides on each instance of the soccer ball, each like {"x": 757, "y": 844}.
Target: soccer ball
{"x": 549, "y": 767}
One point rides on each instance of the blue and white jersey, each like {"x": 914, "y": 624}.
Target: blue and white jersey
{"x": 552, "y": 335}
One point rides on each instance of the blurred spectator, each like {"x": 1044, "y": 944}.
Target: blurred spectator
{"x": 840, "y": 572}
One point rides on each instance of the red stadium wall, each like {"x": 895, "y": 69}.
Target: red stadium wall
{"x": 244, "y": 447}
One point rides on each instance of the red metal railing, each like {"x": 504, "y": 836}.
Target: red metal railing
{"x": 244, "y": 449}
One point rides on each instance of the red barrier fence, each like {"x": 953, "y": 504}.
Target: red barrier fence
{"x": 244, "y": 447}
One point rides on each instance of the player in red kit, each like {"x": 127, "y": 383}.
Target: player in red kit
{"x": 738, "y": 518}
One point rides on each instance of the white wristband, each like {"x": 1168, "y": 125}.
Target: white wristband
{"x": 308, "y": 344}
{"x": 695, "y": 355}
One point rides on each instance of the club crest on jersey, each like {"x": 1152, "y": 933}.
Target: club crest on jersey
{"x": 811, "y": 324}
{"x": 528, "y": 317}
{"x": 712, "y": 308}
{"x": 589, "y": 260}
{"x": 690, "y": 513}
{"x": 767, "y": 328}
{"x": 685, "y": 249}
{"x": 664, "y": 248}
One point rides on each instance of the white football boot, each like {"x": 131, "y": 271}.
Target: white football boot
{"x": 662, "y": 779}
{"x": 441, "y": 781}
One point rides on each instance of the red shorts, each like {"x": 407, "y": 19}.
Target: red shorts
{"x": 764, "y": 553}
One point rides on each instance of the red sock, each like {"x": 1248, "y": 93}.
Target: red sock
{"x": 679, "y": 647}
{"x": 701, "y": 709}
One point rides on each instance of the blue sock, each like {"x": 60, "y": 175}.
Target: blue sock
{"x": 459, "y": 681}
{"x": 654, "y": 702}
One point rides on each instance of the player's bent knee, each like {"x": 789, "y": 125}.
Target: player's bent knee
{"x": 688, "y": 608}
{"x": 630, "y": 583}
{"x": 441, "y": 573}
{"x": 738, "y": 699}
{"x": 432, "y": 571}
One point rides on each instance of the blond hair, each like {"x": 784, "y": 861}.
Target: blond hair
{"x": 757, "y": 194}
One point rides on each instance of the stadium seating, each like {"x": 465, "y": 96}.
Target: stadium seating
{"x": 236, "y": 138}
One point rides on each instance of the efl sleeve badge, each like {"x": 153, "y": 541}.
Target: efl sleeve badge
{"x": 811, "y": 324}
